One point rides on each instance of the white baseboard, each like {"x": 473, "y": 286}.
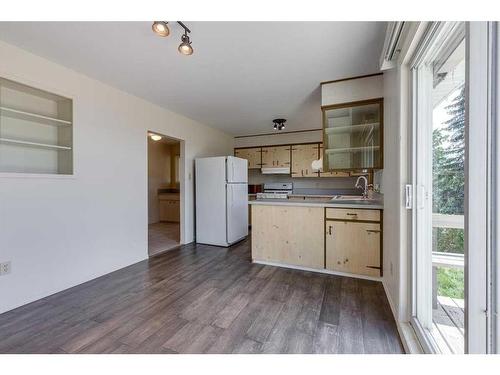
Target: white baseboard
{"x": 408, "y": 337}
{"x": 317, "y": 270}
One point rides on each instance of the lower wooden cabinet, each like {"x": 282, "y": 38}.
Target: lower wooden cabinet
{"x": 353, "y": 247}
{"x": 290, "y": 235}
{"x": 335, "y": 239}
{"x": 250, "y": 198}
{"x": 170, "y": 209}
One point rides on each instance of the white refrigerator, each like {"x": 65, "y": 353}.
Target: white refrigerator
{"x": 221, "y": 200}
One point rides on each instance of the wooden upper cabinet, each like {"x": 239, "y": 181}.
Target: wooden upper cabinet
{"x": 353, "y": 135}
{"x": 250, "y": 154}
{"x": 302, "y": 158}
{"x": 276, "y": 157}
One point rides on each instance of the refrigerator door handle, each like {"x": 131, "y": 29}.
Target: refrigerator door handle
{"x": 229, "y": 201}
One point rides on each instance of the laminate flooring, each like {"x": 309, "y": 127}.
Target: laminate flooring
{"x": 206, "y": 299}
{"x": 162, "y": 237}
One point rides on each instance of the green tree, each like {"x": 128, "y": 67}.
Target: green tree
{"x": 448, "y": 190}
{"x": 448, "y": 173}
{"x": 453, "y": 167}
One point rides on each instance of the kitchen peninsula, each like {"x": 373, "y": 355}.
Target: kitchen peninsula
{"x": 340, "y": 236}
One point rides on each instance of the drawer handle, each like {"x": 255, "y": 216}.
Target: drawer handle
{"x": 329, "y": 228}
{"x": 373, "y": 231}
{"x": 350, "y": 214}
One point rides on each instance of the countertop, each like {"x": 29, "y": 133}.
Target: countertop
{"x": 373, "y": 204}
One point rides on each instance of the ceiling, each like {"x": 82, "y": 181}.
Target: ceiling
{"x": 240, "y": 77}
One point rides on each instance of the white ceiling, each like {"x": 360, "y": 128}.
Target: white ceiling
{"x": 240, "y": 77}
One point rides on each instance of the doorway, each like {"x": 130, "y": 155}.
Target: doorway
{"x": 164, "y": 193}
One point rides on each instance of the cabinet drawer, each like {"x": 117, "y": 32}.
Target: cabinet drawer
{"x": 352, "y": 214}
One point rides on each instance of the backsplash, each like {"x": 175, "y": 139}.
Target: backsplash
{"x": 255, "y": 177}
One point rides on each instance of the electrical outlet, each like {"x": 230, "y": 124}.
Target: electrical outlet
{"x": 5, "y": 268}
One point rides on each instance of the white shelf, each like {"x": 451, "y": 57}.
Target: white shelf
{"x": 32, "y": 116}
{"x": 33, "y": 144}
{"x": 351, "y": 128}
{"x": 351, "y": 149}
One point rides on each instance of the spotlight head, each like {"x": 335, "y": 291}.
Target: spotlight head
{"x": 185, "y": 46}
{"x": 279, "y": 123}
{"x": 160, "y": 28}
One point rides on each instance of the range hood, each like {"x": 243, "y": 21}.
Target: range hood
{"x": 276, "y": 170}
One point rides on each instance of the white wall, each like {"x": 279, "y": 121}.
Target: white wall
{"x": 391, "y": 183}
{"x": 60, "y": 232}
{"x": 352, "y": 90}
{"x": 397, "y": 173}
{"x": 255, "y": 177}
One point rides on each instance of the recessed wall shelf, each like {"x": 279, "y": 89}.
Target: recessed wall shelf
{"x": 29, "y": 116}
{"x": 36, "y": 131}
{"x": 33, "y": 144}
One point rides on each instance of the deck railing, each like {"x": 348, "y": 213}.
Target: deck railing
{"x": 445, "y": 259}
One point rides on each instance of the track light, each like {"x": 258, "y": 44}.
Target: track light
{"x": 279, "y": 123}
{"x": 161, "y": 28}
{"x": 185, "y": 47}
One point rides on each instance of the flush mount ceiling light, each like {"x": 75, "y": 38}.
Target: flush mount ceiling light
{"x": 279, "y": 123}
{"x": 160, "y": 28}
{"x": 155, "y": 137}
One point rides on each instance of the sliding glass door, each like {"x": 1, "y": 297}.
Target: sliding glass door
{"x": 439, "y": 88}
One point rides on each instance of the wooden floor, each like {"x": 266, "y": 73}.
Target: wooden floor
{"x": 448, "y": 325}
{"x": 204, "y": 299}
{"x": 162, "y": 237}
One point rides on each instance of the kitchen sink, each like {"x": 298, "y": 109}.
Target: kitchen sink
{"x": 349, "y": 198}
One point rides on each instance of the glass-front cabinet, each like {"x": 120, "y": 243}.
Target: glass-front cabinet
{"x": 352, "y": 135}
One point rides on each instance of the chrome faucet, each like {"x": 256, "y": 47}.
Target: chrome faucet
{"x": 365, "y": 188}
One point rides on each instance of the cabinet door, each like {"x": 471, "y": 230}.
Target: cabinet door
{"x": 170, "y": 210}
{"x": 282, "y": 156}
{"x": 175, "y": 211}
{"x": 330, "y": 173}
{"x": 290, "y": 235}
{"x": 277, "y": 157}
{"x": 302, "y": 158}
{"x": 250, "y": 154}
{"x": 163, "y": 210}
{"x": 352, "y": 135}
{"x": 353, "y": 247}
{"x": 267, "y": 157}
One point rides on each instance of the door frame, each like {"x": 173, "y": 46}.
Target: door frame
{"x": 431, "y": 42}
{"x": 482, "y": 221}
{"x": 182, "y": 186}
